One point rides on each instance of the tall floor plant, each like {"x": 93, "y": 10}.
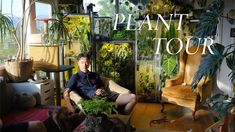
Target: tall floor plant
{"x": 15, "y": 67}
{"x": 211, "y": 63}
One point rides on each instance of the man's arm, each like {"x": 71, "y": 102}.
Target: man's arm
{"x": 68, "y": 101}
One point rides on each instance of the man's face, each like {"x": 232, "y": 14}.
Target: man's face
{"x": 83, "y": 64}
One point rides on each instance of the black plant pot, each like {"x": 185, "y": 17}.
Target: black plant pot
{"x": 98, "y": 123}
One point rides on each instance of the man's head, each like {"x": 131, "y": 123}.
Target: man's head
{"x": 83, "y": 62}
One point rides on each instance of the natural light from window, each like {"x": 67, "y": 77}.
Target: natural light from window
{"x": 8, "y": 47}
{"x": 43, "y": 10}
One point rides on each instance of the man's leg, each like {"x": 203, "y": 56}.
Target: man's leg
{"x": 126, "y": 99}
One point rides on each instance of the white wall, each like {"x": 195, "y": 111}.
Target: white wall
{"x": 223, "y": 37}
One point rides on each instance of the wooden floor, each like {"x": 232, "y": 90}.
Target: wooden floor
{"x": 178, "y": 118}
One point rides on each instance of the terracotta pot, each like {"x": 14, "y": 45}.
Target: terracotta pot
{"x": 19, "y": 71}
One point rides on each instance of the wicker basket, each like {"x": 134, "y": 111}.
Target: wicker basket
{"x": 19, "y": 71}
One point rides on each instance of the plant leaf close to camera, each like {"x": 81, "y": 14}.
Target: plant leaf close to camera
{"x": 209, "y": 64}
{"x": 230, "y": 60}
{"x": 208, "y": 21}
{"x": 6, "y": 26}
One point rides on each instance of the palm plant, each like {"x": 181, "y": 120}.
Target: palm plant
{"x": 57, "y": 32}
{"x": 212, "y": 62}
{"x": 15, "y": 67}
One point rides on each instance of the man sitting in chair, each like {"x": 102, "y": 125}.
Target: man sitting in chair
{"x": 88, "y": 84}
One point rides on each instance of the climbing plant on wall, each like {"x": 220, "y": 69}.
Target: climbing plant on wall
{"x": 169, "y": 62}
{"x": 79, "y": 29}
{"x": 145, "y": 43}
{"x": 112, "y": 58}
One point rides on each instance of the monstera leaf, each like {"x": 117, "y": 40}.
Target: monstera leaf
{"x": 210, "y": 64}
{"x": 230, "y": 60}
{"x": 208, "y": 21}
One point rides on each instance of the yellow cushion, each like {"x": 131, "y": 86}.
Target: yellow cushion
{"x": 179, "y": 91}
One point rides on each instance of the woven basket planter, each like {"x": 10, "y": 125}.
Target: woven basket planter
{"x": 19, "y": 71}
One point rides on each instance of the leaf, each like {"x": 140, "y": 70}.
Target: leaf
{"x": 230, "y": 60}
{"x": 6, "y": 26}
{"x": 215, "y": 97}
{"x": 224, "y": 108}
{"x": 209, "y": 64}
{"x": 169, "y": 64}
{"x": 98, "y": 105}
{"x": 208, "y": 21}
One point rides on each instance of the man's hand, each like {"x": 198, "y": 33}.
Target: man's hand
{"x": 71, "y": 109}
{"x": 67, "y": 100}
{"x": 99, "y": 91}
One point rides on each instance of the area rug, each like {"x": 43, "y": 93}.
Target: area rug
{"x": 31, "y": 114}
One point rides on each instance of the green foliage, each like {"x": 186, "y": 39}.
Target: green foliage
{"x": 18, "y": 33}
{"x": 7, "y": 52}
{"x": 108, "y": 8}
{"x": 79, "y": 29}
{"x": 146, "y": 83}
{"x": 123, "y": 35}
{"x": 98, "y": 105}
{"x": 113, "y": 57}
{"x": 230, "y": 60}
{"x": 220, "y": 104}
{"x": 208, "y": 21}
{"x": 145, "y": 43}
{"x": 210, "y": 64}
{"x": 57, "y": 32}
{"x": 6, "y": 26}
{"x": 169, "y": 62}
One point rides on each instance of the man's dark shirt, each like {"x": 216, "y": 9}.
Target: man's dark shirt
{"x": 84, "y": 83}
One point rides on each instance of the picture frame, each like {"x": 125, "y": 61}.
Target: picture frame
{"x": 232, "y": 32}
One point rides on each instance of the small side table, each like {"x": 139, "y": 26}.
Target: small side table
{"x": 56, "y": 72}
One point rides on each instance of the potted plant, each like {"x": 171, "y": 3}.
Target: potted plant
{"x": 146, "y": 84}
{"x": 16, "y": 66}
{"x": 212, "y": 62}
{"x": 96, "y": 111}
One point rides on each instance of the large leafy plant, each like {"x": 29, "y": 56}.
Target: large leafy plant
{"x": 97, "y": 106}
{"x": 18, "y": 32}
{"x": 211, "y": 63}
{"x": 113, "y": 57}
{"x": 79, "y": 29}
{"x": 169, "y": 62}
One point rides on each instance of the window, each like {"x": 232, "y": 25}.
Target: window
{"x": 8, "y": 47}
{"x": 43, "y": 10}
